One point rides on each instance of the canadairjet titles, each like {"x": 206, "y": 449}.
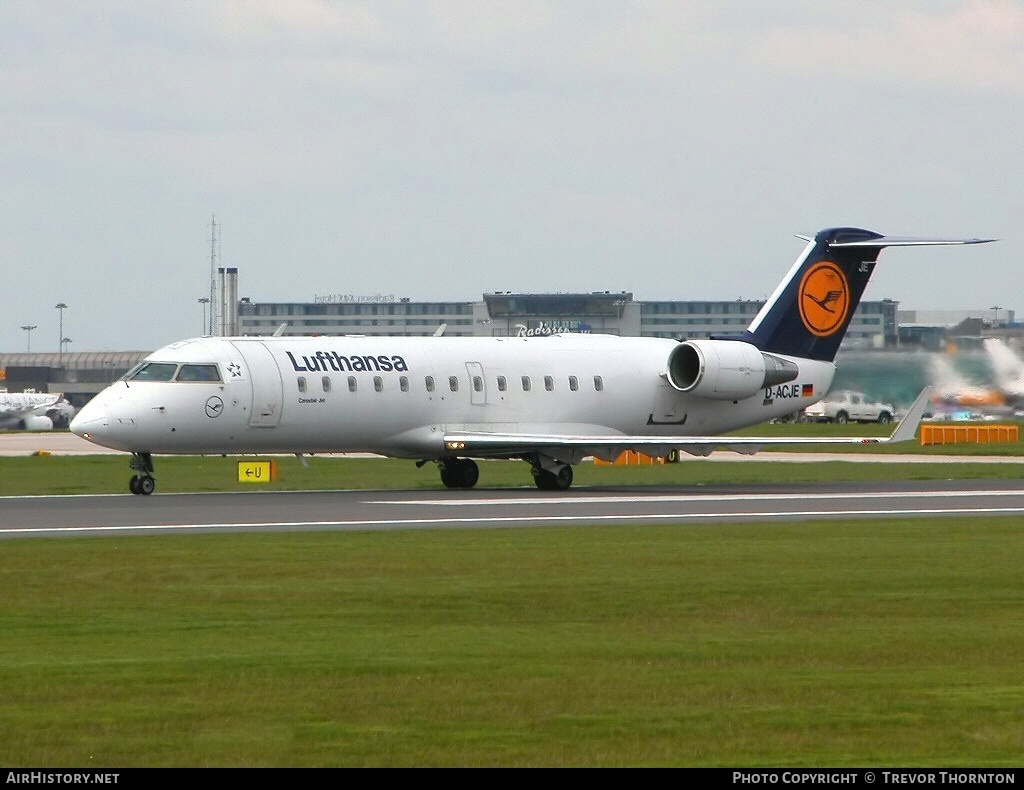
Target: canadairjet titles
{"x": 332, "y": 360}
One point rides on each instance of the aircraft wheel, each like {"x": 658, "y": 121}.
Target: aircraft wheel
{"x": 133, "y": 485}
{"x": 146, "y": 485}
{"x": 842, "y": 418}
{"x": 460, "y": 473}
{"x": 470, "y": 472}
{"x": 553, "y": 481}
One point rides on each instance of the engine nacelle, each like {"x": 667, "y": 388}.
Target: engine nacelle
{"x": 35, "y": 422}
{"x": 725, "y": 369}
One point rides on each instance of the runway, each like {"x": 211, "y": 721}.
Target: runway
{"x": 124, "y": 514}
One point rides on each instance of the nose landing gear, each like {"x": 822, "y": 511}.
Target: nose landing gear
{"x": 143, "y": 482}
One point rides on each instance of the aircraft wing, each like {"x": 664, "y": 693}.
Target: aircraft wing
{"x": 19, "y": 405}
{"x": 491, "y": 443}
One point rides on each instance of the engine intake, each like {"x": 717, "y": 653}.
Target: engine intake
{"x": 725, "y": 369}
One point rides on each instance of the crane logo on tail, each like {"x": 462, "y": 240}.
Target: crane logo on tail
{"x": 824, "y": 299}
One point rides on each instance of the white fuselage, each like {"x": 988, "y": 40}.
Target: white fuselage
{"x": 399, "y": 395}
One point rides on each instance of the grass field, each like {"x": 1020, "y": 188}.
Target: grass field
{"x": 839, "y": 643}
{"x": 813, "y": 644}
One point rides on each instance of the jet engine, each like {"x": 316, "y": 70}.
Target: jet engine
{"x": 35, "y": 422}
{"x": 725, "y": 369}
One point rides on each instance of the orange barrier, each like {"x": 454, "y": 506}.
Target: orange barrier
{"x": 983, "y": 434}
{"x": 633, "y": 458}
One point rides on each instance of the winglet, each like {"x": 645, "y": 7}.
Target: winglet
{"x": 907, "y": 429}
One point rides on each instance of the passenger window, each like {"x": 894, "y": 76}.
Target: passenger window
{"x": 502, "y": 384}
{"x": 325, "y": 382}
{"x": 301, "y": 381}
{"x": 574, "y": 383}
{"x": 526, "y": 383}
{"x": 430, "y": 383}
{"x": 598, "y": 383}
{"x": 549, "y": 383}
{"x": 478, "y": 384}
{"x": 352, "y": 384}
{"x": 155, "y": 371}
{"x": 453, "y": 383}
{"x": 198, "y": 373}
{"x": 378, "y": 383}
{"x": 403, "y": 383}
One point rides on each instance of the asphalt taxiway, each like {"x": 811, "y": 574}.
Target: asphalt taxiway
{"x": 124, "y": 514}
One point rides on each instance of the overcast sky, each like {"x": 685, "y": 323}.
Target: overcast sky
{"x": 439, "y": 150}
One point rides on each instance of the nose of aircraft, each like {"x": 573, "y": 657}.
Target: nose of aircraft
{"x": 92, "y": 417}
{"x": 107, "y": 420}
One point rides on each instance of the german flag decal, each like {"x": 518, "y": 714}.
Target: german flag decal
{"x": 824, "y": 299}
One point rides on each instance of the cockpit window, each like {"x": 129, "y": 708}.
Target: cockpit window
{"x": 198, "y": 373}
{"x": 153, "y": 371}
{"x": 131, "y": 373}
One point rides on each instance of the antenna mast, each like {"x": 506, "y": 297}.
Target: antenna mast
{"x": 213, "y": 272}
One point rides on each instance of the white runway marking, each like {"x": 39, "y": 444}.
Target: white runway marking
{"x": 598, "y": 500}
{"x": 391, "y": 524}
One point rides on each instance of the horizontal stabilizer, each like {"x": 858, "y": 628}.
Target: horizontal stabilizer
{"x": 899, "y": 241}
{"x": 905, "y": 241}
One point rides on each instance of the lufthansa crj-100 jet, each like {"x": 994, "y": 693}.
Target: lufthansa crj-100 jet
{"x": 551, "y": 400}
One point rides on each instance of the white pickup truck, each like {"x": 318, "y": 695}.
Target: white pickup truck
{"x": 849, "y": 406}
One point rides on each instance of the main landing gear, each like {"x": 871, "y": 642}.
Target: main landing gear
{"x": 558, "y": 479}
{"x": 143, "y": 481}
{"x": 548, "y": 474}
{"x": 459, "y": 472}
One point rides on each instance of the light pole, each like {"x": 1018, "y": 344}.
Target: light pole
{"x": 995, "y": 316}
{"x": 29, "y": 329}
{"x": 60, "y": 307}
{"x": 204, "y": 300}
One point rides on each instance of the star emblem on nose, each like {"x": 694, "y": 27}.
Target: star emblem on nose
{"x": 235, "y": 370}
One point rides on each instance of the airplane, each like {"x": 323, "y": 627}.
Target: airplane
{"x": 953, "y": 389}
{"x": 33, "y": 411}
{"x": 550, "y": 400}
{"x": 1005, "y": 394}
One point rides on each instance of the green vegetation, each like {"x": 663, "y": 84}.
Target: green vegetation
{"x": 829, "y": 643}
{"x": 852, "y": 643}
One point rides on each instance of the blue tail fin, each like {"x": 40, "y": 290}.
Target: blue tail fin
{"x": 809, "y": 312}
